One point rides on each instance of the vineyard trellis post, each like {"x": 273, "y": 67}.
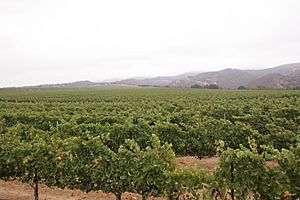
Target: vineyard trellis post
{"x": 36, "y": 185}
{"x": 232, "y": 180}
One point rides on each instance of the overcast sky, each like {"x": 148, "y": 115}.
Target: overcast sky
{"x": 67, "y": 40}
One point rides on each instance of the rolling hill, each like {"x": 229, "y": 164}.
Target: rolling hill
{"x": 283, "y": 76}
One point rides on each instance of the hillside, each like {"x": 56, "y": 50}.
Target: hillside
{"x": 277, "y": 81}
{"x": 277, "y": 77}
{"x": 233, "y": 78}
{"x": 283, "y": 76}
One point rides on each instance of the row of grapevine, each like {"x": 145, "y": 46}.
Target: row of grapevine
{"x": 271, "y": 174}
{"x": 198, "y": 140}
{"x": 90, "y": 165}
{"x": 102, "y": 139}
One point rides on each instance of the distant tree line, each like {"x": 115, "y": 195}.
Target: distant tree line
{"x": 209, "y": 86}
{"x": 215, "y": 86}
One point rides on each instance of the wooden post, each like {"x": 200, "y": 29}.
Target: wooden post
{"x": 232, "y": 180}
{"x": 36, "y": 185}
{"x": 118, "y": 196}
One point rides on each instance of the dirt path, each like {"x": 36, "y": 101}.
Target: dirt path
{"x": 14, "y": 190}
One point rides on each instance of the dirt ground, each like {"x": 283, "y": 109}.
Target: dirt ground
{"x": 208, "y": 164}
{"x": 14, "y": 190}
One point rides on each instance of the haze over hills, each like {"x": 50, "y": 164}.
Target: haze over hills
{"x": 229, "y": 78}
{"x": 283, "y": 76}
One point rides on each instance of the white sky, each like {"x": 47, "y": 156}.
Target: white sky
{"x": 67, "y": 40}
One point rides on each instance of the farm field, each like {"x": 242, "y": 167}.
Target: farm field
{"x": 144, "y": 141}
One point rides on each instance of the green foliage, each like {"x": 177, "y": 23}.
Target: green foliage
{"x": 152, "y": 169}
{"x": 289, "y": 161}
{"x": 194, "y": 118}
{"x": 191, "y": 181}
{"x": 101, "y": 139}
{"x": 116, "y": 170}
{"x": 246, "y": 172}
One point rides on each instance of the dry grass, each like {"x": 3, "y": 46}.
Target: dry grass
{"x": 208, "y": 164}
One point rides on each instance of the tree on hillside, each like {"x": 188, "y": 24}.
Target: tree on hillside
{"x": 196, "y": 86}
{"x": 241, "y": 88}
{"x": 212, "y": 86}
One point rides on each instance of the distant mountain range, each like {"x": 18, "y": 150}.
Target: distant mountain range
{"x": 283, "y": 76}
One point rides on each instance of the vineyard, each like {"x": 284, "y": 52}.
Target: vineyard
{"x": 121, "y": 140}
